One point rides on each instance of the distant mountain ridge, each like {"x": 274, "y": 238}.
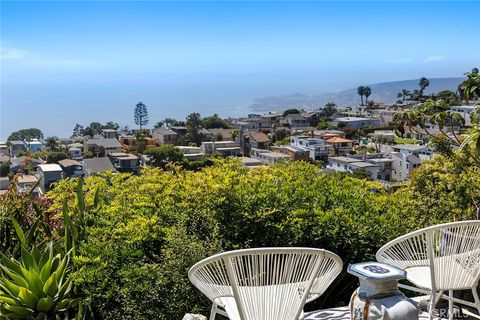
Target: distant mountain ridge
{"x": 384, "y": 92}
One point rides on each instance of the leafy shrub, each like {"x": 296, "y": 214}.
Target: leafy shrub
{"x": 146, "y": 231}
{"x": 54, "y": 157}
{"x": 137, "y": 236}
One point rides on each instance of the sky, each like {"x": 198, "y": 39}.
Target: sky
{"x": 64, "y": 62}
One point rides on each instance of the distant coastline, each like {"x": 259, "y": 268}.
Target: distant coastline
{"x": 111, "y": 103}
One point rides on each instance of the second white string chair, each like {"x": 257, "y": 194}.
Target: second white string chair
{"x": 441, "y": 258}
{"x": 265, "y": 283}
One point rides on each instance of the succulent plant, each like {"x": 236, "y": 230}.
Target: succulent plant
{"x": 36, "y": 286}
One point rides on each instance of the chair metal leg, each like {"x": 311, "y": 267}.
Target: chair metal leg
{"x": 477, "y": 299}
{"x": 433, "y": 302}
{"x": 213, "y": 312}
{"x": 438, "y": 297}
{"x": 450, "y": 305}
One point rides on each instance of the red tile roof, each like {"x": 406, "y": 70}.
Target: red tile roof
{"x": 338, "y": 140}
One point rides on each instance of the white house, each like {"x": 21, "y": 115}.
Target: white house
{"x": 357, "y": 122}
{"x": 379, "y": 168}
{"x": 48, "y": 174}
{"x": 465, "y": 112}
{"x": 406, "y": 158}
{"x": 268, "y": 157}
{"x": 4, "y": 149}
{"x": 191, "y": 153}
{"x": 317, "y": 148}
{"x": 223, "y": 148}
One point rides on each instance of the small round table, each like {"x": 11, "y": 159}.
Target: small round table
{"x": 378, "y": 296}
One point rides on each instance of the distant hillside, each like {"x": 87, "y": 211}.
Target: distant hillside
{"x": 385, "y": 92}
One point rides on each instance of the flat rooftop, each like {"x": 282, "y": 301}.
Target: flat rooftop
{"x": 26, "y": 178}
{"x": 344, "y": 159}
{"x": 380, "y": 160}
{"x": 275, "y": 155}
{"x": 228, "y": 148}
{"x": 347, "y": 119}
{"x": 410, "y": 147}
{"x": 363, "y": 164}
{"x": 50, "y": 167}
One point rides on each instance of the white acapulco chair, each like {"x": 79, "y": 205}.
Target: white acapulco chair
{"x": 444, "y": 257}
{"x": 265, "y": 283}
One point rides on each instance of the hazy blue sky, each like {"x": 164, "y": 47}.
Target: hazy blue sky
{"x": 85, "y": 61}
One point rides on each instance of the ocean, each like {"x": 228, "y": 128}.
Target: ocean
{"x": 55, "y": 107}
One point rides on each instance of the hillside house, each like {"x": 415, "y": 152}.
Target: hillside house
{"x": 28, "y": 164}
{"x": 385, "y": 116}
{"x": 251, "y": 162}
{"x": 191, "y": 153}
{"x": 244, "y": 126}
{"x": 340, "y": 146}
{"x": 97, "y": 165}
{"x": 327, "y": 134}
{"x": 100, "y": 147}
{"x": 33, "y": 145}
{"x": 71, "y": 168}
{"x": 268, "y": 157}
{"x": 124, "y": 162}
{"x": 109, "y": 133}
{"x": 75, "y": 153}
{"x": 47, "y": 175}
{"x": 465, "y": 112}
{"x": 406, "y": 158}
{"x": 221, "y": 134}
{"x": 180, "y": 130}
{"x": 254, "y": 140}
{"x": 294, "y": 153}
{"x": 384, "y": 168}
{"x": 317, "y": 149}
{"x": 354, "y": 123}
{"x": 294, "y": 120}
{"x": 271, "y": 116}
{"x": 379, "y": 168}
{"x": 223, "y": 148}
{"x": 16, "y": 147}
{"x": 4, "y": 150}
{"x": 165, "y": 136}
{"x": 25, "y": 182}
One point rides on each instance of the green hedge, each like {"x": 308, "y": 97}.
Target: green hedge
{"x": 149, "y": 230}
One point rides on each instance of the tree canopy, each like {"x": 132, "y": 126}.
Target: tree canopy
{"x": 471, "y": 86}
{"x": 291, "y": 111}
{"x": 423, "y": 83}
{"x": 51, "y": 143}
{"x": 329, "y": 110}
{"x": 54, "y": 157}
{"x": 214, "y": 122}
{"x": 141, "y": 115}
{"x": 164, "y": 155}
{"x": 93, "y": 128}
{"x": 194, "y": 125}
{"x": 26, "y": 134}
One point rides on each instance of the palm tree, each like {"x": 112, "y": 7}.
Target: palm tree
{"x": 51, "y": 143}
{"x": 404, "y": 94}
{"x": 471, "y": 86}
{"x": 422, "y": 84}
{"x": 361, "y": 92}
{"x": 367, "y": 91}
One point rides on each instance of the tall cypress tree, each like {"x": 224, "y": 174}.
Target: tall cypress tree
{"x": 141, "y": 115}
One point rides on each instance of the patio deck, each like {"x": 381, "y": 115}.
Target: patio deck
{"x": 343, "y": 313}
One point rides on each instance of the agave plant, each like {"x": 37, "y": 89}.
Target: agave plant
{"x": 36, "y": 286}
